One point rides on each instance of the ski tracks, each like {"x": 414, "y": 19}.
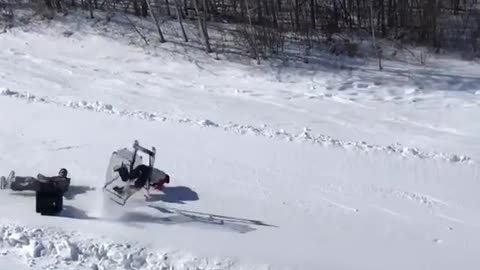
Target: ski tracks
{"x": 397, "y": 203}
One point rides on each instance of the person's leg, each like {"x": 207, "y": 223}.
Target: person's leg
{"x": 123, "y": 172}
{"x": 140, "y": 182}
{"x": 20, "y": 183}
{"x": 137, "y": 172}
{"x": 142, "y": 173}
{"x": 125, "y": 176}
{"x": 5, "y": 181}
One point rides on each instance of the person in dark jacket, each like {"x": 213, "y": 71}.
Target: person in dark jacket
{"x": 142, "y": 174}
{"x": 21, "y": 183}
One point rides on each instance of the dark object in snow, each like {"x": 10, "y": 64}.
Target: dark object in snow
{"x": 48, "y": 199}
{"x": 48, "y": 190}
{"x": 49, "y": 195}
{"x": 126, "y": 174}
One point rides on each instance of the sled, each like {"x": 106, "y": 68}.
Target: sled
{"x": 131, "y": 159}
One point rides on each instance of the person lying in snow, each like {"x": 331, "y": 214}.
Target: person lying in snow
{"x": 22, "y": 183}
{"x": 141, "y": 174}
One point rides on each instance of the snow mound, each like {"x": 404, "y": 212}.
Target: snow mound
{"x": 207, "y": 123}
{"x": 51, "y": 248}
{"x": 264, "y": 130}
{"x": 25, "y": 96}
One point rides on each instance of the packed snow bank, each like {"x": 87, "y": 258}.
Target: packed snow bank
{"x": 265, "y": 131}
{"x": 53, "y": 248}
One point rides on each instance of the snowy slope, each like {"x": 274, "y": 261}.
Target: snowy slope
{"x": 353, "y": 104}
{"x": 327, "y": 169}
{"x": 329, "y": 203}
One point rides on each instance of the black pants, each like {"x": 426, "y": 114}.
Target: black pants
{"x": 21, "y": 183}
{"x": 140, "y": 173}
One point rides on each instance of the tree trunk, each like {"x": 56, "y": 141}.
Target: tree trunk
{"x": 359, "y": 13}
{"x": 136, "y": 8}
{"x": 185, "y": 7}
{"x": 48, "y": 3}
{"x": 375, "y": 49}
{"x": 250, "y": 34}
{"x": 179, "y": 18}
{"x": 297, "y": 15}
{"x": 242, "y": 9}
{"x": 291, "y": 13}
{"x": 312, "y": 14}
{"x": 382, "y": 17}
{"x": 259, "y": 12}
{"x": 144, "y": 8}
{"x": 202, "y": 24}
{"x": 274, "y": 14}
{"x": 90, "y": 8}
{"x": 154, "y": 18}
{"x": 136, "y": 29}
{"x": 390, "y": 14}
{"x": 168, "y": 8}
{"x": 403, "y": 10}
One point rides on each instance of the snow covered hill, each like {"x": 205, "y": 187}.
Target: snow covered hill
{"x": 272, "y": 166}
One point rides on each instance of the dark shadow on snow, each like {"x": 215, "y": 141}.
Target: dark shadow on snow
{"x": 76, "y": 190}
{"x": 173, "y": 216}
{"x": 138, "y": 217}
{"x": 73, "y": 212}
{"x": 167, "y": 215}
{"x": 23, "y": 193}
{"x": 171, "y": 210}
{"x": 178, "y": 194}
{"x": 178, "y": 219}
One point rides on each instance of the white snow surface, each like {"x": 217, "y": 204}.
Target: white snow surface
{"x": 273, "y": 166}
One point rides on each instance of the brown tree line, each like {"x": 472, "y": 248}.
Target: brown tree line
{"x": 264, "y": 25}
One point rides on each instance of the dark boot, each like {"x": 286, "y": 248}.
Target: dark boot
{"x": 123, "y": 172}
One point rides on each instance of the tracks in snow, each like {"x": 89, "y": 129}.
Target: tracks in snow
{"x": 264, "y": 130}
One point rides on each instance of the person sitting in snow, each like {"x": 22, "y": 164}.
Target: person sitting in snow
{"x": 141, "y": 175}
{"x": 21, "y": 183}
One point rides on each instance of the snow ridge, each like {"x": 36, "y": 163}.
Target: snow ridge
{"x": 50, "y": 248}
{"x": 264, "y": 130}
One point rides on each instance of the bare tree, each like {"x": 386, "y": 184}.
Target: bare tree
{"x": 250, "y": 34}
{"x": 264, "y": 23}
{"x": 376, "y": 49}
{"x": 202, "y": 23}
{"x": 90, "y": 8}
{"x": 167, "y": 6}
{"x": 136, "y": 29}
{"x": 157, "y": 24}
{"x": 179, "y": 18}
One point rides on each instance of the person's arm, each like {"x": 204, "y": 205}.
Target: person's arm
{"x": 62, "y": 183}
{"x": 42, "y": 178}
